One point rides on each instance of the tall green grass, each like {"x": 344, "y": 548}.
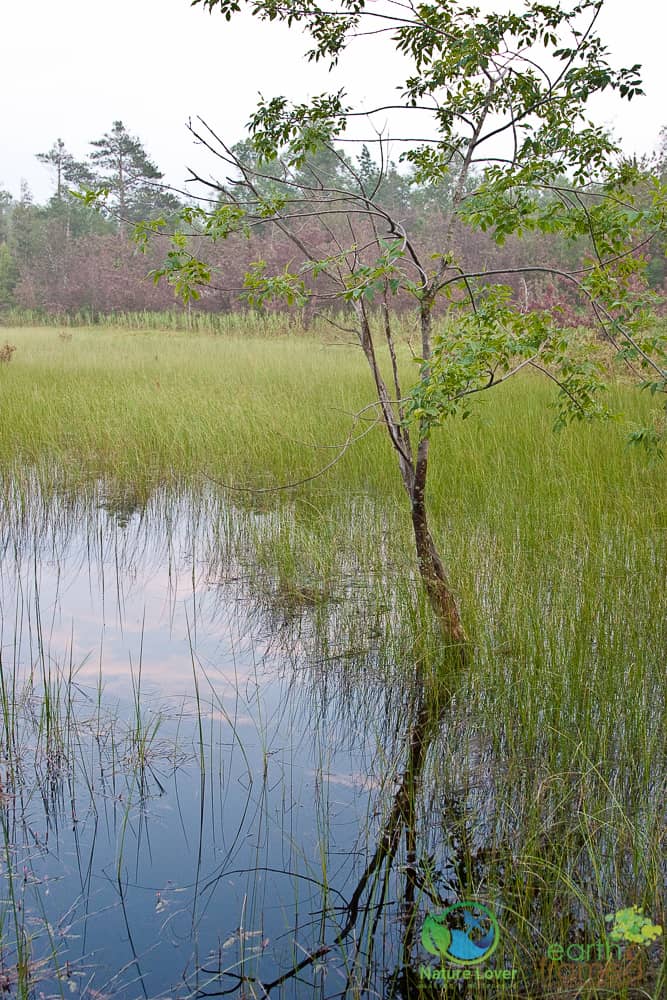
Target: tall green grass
{"x": 238, "y": 323}
{"x": 145, "y": 319}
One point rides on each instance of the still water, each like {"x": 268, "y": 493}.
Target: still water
{"x": 213, "y": 784}
{"x": 186, "y": 809}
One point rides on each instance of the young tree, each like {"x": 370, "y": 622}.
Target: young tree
{"x": 511, "y": 142}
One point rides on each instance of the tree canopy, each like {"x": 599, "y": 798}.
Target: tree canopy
{"x": 512, "y": 151}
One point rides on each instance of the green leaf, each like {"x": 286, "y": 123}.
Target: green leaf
{"x": 436, "y": 936}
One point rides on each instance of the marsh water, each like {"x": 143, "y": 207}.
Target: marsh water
{"x": 207, "y": 787}
{"x": 185, "y": 804}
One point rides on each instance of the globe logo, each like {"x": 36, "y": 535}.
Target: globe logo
{"x": 464, "y": 933}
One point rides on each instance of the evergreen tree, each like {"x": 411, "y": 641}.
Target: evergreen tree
{"x": 9, "y": 275}
{"x": 6, "y": 202}
{"x": 9, "y": 272}
{"x": 68, "y": 171}
{"x": 24, "y": 231}
{"x": 367, "y": 168}
{"x": 326, "y": 167}
{"x": 131, "y": 177}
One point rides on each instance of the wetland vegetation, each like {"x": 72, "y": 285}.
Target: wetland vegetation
{"x": 327, "y": 668}
{"x": 236, "y": 757}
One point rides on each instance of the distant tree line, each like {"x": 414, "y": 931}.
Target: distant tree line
{"x": 66, "y": 255}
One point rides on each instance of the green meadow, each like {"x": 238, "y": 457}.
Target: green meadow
{"x": 545, "y": 763}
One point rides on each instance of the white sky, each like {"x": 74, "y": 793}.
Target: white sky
{"x": 69, "y": 68}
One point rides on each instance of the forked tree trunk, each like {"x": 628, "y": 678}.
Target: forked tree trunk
{"x": 414, "y": 475}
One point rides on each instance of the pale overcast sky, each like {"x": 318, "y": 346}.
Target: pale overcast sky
{"x": 70, "y": 68}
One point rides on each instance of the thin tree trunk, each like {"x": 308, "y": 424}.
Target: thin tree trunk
{"x": 437, "y": 586}
{"x": 121, "y": 199}
{"x": 414, "y": 474}
{"x": 436, "y": 583}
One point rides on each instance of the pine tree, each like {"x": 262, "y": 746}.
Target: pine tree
{"x": 24, "y": 234}
{"x": 6, "y": 202}
{"x": 367, "y": 168}
{"x": 68, "y": 171}
{"x": 131, "y": 176}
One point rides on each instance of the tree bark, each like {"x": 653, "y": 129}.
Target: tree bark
{"x": 431, "y": 568}
{"x": 436, "y": 583}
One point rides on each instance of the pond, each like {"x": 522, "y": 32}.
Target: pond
{"x": 207, "y": 790}
{"x": 180, "y": 805}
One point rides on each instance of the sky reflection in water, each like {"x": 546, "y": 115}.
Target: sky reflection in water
{"x": 142, "y": 869}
